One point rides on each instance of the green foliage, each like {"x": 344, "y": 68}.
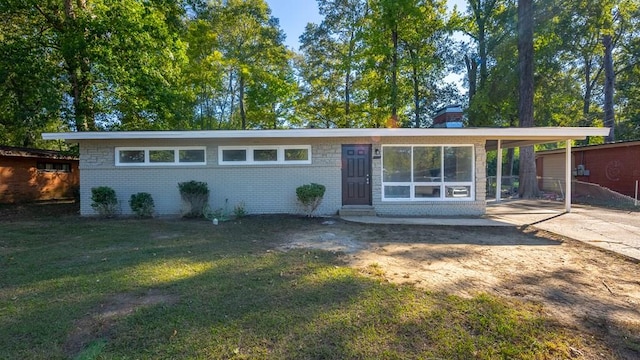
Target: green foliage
{"x": 239, "y": 210}
{"x": 137, "y": 65}
{"x": 355, "y": 74}
{"x": 142, "y": 204}
{"x": 310, "y": 196}
{"x": 102, "y": 59}
{"x": 196, "y": 196}
{"x": 104, "y": 201}
{"x": 239, "y": 67}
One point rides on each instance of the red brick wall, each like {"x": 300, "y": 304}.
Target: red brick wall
{"x": 616, "y": 168}
{"x": 21, "y": 181}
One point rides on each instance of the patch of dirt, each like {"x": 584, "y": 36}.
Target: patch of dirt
{"x": 580, "y": 286}
{"x": 99, "y": 322}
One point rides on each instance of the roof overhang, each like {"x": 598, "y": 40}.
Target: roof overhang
{"x": 509, "y": 137}
{"x": 10, "y": 151}
{"x": 592, "y": 147}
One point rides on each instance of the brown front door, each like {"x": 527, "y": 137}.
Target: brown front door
{"x": 356, "y": 174}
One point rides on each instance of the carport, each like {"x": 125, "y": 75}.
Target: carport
{"x": 518, "y": 137}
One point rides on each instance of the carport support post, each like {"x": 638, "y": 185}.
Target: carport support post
{"x": 567, "y": 177}
{"x": 499, "y": 172}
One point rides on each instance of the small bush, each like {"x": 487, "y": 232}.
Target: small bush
{"x": 142, "y": 204}
{"x": 196, "y": 195}
{"x": 239, "y": 210}
{"x": 104, "y": 201}
{"x": 310, "y": 196}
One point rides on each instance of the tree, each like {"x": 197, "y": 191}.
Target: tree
{"x": 528, "y": 182}
{"x": 628, "y": 72}
{"x": 609, "y": 116}
{"x": 241, "y": 68}
{"x": 403, "y": 60}
{"x": 332, "y": 59}
{"x": 30, "y": 91}
{"x": 322, "y": 99}
{"x": 488, "y": 24}
{"x": 113, "y": 60}
{"x": 424, "y": 48}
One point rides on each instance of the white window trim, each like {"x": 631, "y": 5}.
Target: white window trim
{"x": 280, "y": 157}
{"x": 147, "y": 162}
{"x": 441, "y": 183}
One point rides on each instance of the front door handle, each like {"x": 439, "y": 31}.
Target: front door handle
{"x": 367, "y": 179}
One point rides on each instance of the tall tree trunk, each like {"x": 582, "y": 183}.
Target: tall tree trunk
{"x": 588, "y": 90}
{"x": 472, "y": 75}
{"x": 347, "y": 79}
{"x": 416, "y": 86}
{"x": 347, "y": 94}
{"x": 528, "y": 188}
{"x": 231, "y": 92}
{"x": 394, "y": 76}
{"x": 275, "y": 116}
{"x": 78, "y": 67}
{"x": 482, "y": 53}
{"x": 513, "y": 122}
{"x": 243, "y": 115}
{"x": 586, "y": 101}
{"x": 609, "y": 82}
{"x": 508, "y": 169}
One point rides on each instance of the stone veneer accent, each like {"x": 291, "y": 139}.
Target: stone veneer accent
{"x": 263, "y": 189}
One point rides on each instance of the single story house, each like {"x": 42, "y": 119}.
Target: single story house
{"x": 388, "y": 171}
{"x": 615, "y": 166}
{"x": 35, "y": 175}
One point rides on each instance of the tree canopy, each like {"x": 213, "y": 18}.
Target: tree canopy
{"x": 94, "y": 65}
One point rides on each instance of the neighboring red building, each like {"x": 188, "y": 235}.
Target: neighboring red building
{"x": 33, "y": 175}
{"x": 615, "y": 166}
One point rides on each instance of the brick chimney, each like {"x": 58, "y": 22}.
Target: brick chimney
{"x": 448, "y": 117}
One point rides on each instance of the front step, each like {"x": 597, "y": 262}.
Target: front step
{"x": 357, "y": 210}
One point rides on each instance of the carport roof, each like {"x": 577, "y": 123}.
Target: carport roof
{"x": 509, "y": 137}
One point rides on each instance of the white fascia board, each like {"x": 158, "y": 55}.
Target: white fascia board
{"x": 533, "y": 133}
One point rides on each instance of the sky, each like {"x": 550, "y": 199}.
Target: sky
{"x": 295, "y": 14}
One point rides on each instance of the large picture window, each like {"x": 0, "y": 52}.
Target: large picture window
{"x": 159, "y": 156}
{"x": 263, "y": 155}
{"x": 424, "y": 173}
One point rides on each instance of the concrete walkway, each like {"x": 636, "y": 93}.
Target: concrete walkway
{"x": 614, "y": 230}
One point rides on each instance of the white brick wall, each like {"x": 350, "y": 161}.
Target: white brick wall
{"x": 263, "y": 189}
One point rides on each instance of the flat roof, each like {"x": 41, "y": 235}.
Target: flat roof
{"x": 13, "y": 151}
{"x": 509, "y": 137}
{"x": 617, "y": 144}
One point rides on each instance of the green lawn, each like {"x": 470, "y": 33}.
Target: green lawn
{"x": 131, "y": 289}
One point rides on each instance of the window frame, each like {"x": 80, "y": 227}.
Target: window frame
{"x": 442, "y": 184}
{"x": 63, "y": 165}
{"x": 147, "y": 160}
{"x": 280, "y": 157}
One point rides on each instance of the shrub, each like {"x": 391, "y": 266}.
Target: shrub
{"x": 142, "y": 204}
{"x": 310, "y": 196}
{"x": 104, "y": 201}
{"x": 196, "y": 195}
{"x": 239, "y": 210}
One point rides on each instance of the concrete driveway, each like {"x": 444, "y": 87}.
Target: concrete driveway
{"x": 615, "y": 230}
